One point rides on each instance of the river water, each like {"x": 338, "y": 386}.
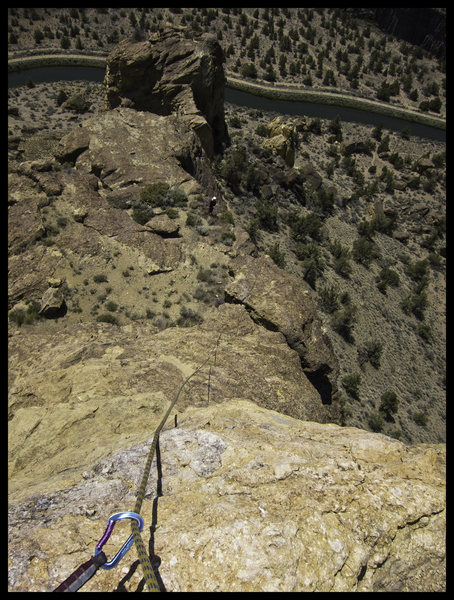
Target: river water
{"x": 309, "y": 109}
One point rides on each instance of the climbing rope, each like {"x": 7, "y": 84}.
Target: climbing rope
{"x": 148, "y": 572}
{"x": 77, "y": 579}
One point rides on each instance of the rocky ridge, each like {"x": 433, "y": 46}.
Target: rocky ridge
{"x": 84, "y": 393}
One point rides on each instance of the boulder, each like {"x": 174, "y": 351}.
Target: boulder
{"x": 361, "y": 147}
{"x": 310, "y": 175}
{"x": 72, "y": 145}
{"x": 172, "y": 74}
{"x": 163, "y": 226}
{"x": 423, "y": 164}
{"x": 282, "y": 302}
{"x": 25, "y": 224}
{"x": 77, "y": 103}
{"x": 246, "y": 500}
{"x": 53, "y": 303}
{"x": 281, "y": 140}
{"x": 401, "y": 235}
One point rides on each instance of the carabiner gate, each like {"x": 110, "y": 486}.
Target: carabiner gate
{"x": 126, "y": 546}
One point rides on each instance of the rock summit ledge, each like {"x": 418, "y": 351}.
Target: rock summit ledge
{"x": 252, "y": 500}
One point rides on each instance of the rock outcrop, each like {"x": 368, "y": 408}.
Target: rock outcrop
{"x": 85, "y": 391}
{"x": 116, "y": 147}
{"x": 249, "y": 500}
{"x": 280, "y": 140}
{"x": 282, "y": 302}
{"x": 171, "y": 74}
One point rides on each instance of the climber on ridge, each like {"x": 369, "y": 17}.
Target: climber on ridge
{"x": 212, "y": 204}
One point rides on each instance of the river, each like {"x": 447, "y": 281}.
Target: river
{"x": 240, "y": 98}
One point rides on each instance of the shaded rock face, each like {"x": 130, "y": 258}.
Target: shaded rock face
{"x": 424, "y": 27}
{"x": 282, "y": 302}
{"x": 250, "y": 500}
{"x": 171, "y": 74}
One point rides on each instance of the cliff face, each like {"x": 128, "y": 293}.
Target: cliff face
{"x": 424, "y": 27}
{"x": 260, "y": 490}
{"x": 252, "y": 500}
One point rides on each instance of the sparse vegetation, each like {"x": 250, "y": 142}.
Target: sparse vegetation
{"x": 371, "y": 352}
{"x": 387, "y": 277}
{"x": 343, "y": 321}
{"x": 389, "y": 404}
{"x": 351, "y": 384}
{"x": 108, "y": 318}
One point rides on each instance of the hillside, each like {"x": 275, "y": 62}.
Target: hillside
{"x": 321, "y": 48}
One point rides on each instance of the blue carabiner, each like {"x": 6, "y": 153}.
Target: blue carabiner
{"x": 126, "y": 546}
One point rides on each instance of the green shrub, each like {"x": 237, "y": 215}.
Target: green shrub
{"x": 341, "y": 255}
{"x": 351, "y": 384}
{"x": 192, "y": 219}
{"x": 420, "y": 418}
{"x": 205, "y": 275}
{"x": 389, "y": 405}
{"x": 305, "y": 225}
{"x": 387, "y": 277}
{"x": 364, "y": 251}
{"x": 342, "y": 266}
{"x": 376, "y": 422}
{"x": 312, "y": 261}
{"x": 17, "y": 316}
{"x": 424, "y": 331}
{"x": 419, "y": 272}
{"x": 329, "y": 298}
{"x": 235, "y": 122}
{"x": 234, "y": 164}
{"x": 253, "y": 230}
{"x": 153, "y": 194}
{"x": 172, "y": 213}
{"x": 277, "y": 256}
{"x": 111, "y": 306}
{"x": 99, "y": 278}
{"x": 382, "y": 223}
{"x": 266, "y": 213}
{"x": 189, "y": 317}
{"x": 13, "y": 111}
{"x": 366, "y": 229}
{"x": 343, "y": 321}
{"x": 370, "y": 352}
{"x": 32, "y": 312}
{"x": 141, "y": 215}
{"x": 175, "y": 197}
{"x": 107, "y": 318}
{"x": 262, "y": 130}
{"x": 415, "y": 304}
